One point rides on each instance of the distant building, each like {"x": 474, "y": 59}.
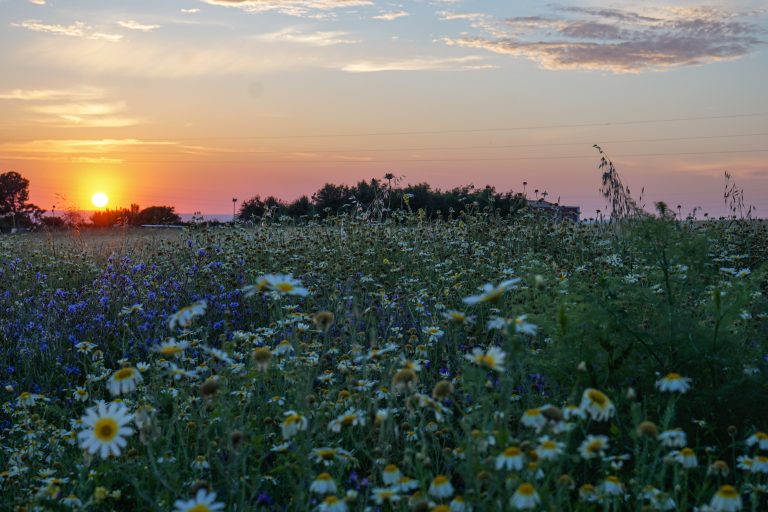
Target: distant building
{"x": 557, "y": 211}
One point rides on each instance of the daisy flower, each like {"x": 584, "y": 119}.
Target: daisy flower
{"x": 203, "y": 501}
{"x": 332, "y": 504}
{"x": 673, "y": 438}
{"x": 284, "y": 284}
{"x": 612, "y": 486}
{"x": 105, "y": 429}
{"x": 525, "y": 497}
{"x": 441, "y": 487}
{"x": 674, "y": 383}
{"x": 383, "y": 495}
{"x": 686, "y": 457}
{"x": 293, "y": 424}
{"x": 491, "y": 293}
{"x": 323, "y": 484}
{"x": 510, "y": 459}
{"x": 124, "y": 380}
{"x": 183, "y": 317}
{"x": 523, "y": 327}
{"x": 80, "y": 394}
{"x": 391, "y": 474}
{"x": 493, "y": 358}
{"x": 171, "y": 348}
{"x": 593, "y": 446}
{"x": 458, "y": 317}
{"x": 549, "y": 449}
{"x": 726, "y": 499}
{"x": 350, "y": 418}
{"x": 534, "y": 418}
{"x": 597, "y": 405}
{"x": 760, "y": 439}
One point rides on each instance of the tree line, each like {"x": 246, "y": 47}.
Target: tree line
{"x": 377, "y": 198}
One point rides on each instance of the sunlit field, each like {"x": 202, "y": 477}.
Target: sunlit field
{"x": 482, "y": 363}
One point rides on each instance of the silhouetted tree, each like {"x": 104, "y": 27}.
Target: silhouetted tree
{"x": 15, "y": 211}
{"x": 157, "y": 215}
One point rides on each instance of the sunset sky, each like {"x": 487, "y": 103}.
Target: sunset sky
{"x": 191, "y": 103}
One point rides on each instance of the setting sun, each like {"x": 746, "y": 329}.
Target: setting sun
{"x": 100, "y": 199}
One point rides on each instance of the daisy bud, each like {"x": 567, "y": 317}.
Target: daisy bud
{"x": 442, "y": 390}
{"x": 582, "y": 367}
{"x": 210, "y": 387}
{"x": 647, "y": 429}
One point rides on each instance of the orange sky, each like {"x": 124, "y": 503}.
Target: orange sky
{"x": 192, "y": 103}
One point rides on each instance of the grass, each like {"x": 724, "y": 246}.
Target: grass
{"x": 276, "y": 399}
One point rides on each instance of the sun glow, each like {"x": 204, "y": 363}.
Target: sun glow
{"x": 100, "y": 199}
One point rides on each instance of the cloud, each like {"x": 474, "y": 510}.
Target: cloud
{"x": 290, "y": 35}
{"x": 135, "y": 25}
{"x": 417, "y": 64}
{"x": 190, "y": 11}
{"x": 37, "y": 2}
{"x": 622, "y": 41}
{"x": 85, "y": 114}
{"x": 76, "y": 29}
{"x": 391, "y": 16}
{"x": 313, "y": 8}
{"x": 175, "y": 59}
{"x": 52, "y": 94}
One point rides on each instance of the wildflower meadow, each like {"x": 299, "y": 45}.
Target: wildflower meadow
{"x": 477, "y": 362}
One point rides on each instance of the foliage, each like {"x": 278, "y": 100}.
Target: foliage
{"x": 15, "y": 210}
{"x": 382, "y": 357}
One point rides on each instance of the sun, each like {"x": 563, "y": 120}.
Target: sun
{"x": 100, "y": 199}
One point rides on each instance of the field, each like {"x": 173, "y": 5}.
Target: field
{"x": 481, "y": 363}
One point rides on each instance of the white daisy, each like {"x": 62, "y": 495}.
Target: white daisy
{"x": 105, "y": 430}
{"x": 203, "y": 501}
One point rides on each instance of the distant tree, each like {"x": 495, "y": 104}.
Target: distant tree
{"x": 51, "y": 222}
{"x": 256, "y": 208}
{"x": 332, "y": 197}
{"x": 108, "y": 218}
{"x": 301, "y": 206}
{"x": 157, "y": 215}
{"x": 15, "y": 211}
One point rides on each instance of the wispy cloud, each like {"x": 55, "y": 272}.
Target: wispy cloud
{"x": 87, "y": 93}
{"x": 37, "y": 2}
{"x": 85, "y": 114}
{"x": 292, "y": 35}
{"x": 391, "y": 16}
{"x": 76, "y": 29}
{"x": 190, "y": 11}
{"x": 418, "y": 64}
{"x": 135, "y": 25}
{"x": 622, "y": 40}
{"x": 302, "y": 8}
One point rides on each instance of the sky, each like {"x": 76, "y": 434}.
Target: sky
{"x": 193, "y": 103}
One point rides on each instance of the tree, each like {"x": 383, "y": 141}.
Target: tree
{"x": 157, "y": 215}
{"x": 15, "y": 211}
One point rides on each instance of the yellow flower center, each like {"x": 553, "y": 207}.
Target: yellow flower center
{"x": 25, "y": 395}
{"x": 390, "y": 468}
{"x": 487, "y": 360}
{"x": 124, "y": 374}
{"x": 526, "y": 489}
{"x": 595, "y": 446}
{"x": 331, "y": 500}
{"x": 687, "y": 452}
{"x": 598, "y": 397}
{"x": 284, "y": 287}
{"x": 105, "y": 429}
{"x": 673, "y": 376}
{"x": 324, "y": 477}
{"x": 728, "y": 491}
{"x": 199, "y": 508}
{"x": 348, "y": 419}
{"x": 512, "y": 451}
{"x": 440, "y": 480}
{"x": 327, "y": 454}
{"x": 171, "y": 350}
{"x": 533, "y": 412}
{"x": 549, "y": 445}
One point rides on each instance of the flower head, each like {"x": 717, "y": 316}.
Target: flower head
{"x": 492, "y": 358}
{"x": 105, "y": 430}
{"x": 674, "y": 383}
{"x": 491, "y": 293}
{"x": 124, "y": 380}
{"x": 525, "y": 497}
{"x": 203, "y": 501}
{"x": 597, "y": 405}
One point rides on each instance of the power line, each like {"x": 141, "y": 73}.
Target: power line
{"x": 431, "y": 160}
{"x": 464, "y": 130}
